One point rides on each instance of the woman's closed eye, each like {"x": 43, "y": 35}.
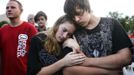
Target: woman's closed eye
{"x": 64, "y": 30}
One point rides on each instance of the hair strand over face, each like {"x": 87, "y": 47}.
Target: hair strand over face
{"x": 51, "y": 44}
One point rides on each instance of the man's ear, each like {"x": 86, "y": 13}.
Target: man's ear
{"x": 21, "y": 10}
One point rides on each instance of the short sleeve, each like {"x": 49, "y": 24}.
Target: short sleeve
{"x": 32, "y": 31}
{"x": 119, "y": 37}
{"x": 0, "y": 39}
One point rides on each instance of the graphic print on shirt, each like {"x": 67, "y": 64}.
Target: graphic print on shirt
{"x": 21, "y": 49}
{"x": 96, "y": 42}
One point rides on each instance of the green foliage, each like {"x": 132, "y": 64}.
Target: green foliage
{"x": 127, "y": 22}
{"x": 115, "y": 15}
{"x": 2, "y": 23}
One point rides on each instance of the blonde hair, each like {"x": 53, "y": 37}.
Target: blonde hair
{"x": 50, "y": 43}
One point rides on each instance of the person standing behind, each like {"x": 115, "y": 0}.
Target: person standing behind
{"x": 15, "y": 40}
{"x": 30, "y": 19}
{"x": 41, "y": 19}
{"x": 102, "y": 40}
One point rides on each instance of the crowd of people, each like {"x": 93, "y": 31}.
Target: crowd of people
{"x": 79, "y": 43}
{"x": 40, "y": 19}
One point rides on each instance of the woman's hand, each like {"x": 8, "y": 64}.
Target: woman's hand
{"x": 73, "y": 58}
{"x": 72, "y": 43}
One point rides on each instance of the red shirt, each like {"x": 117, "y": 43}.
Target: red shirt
{"x": 132, "y": 38}
{"x": 14, "y": 43}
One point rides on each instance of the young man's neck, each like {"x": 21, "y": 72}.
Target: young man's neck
{"x": 15, "y": 22}
{"x": 94, "y": 21}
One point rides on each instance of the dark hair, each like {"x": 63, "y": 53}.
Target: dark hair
{"x": 40, "y": 13}
{"x": 70, "y": 7}
{"x": 20, "y": 5}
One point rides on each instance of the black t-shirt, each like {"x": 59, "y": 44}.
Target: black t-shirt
{"x": 39, "y": 57}
{"x": 106, "y": 38}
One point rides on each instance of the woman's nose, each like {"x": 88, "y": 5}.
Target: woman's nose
{"x": 65, "y": 35}
{"x": 77, "y": 18}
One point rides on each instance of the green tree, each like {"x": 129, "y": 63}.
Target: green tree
{"x": 115, "y": 15}
{"x": 127, "y": 22}
{"x": 2, "y": 23}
